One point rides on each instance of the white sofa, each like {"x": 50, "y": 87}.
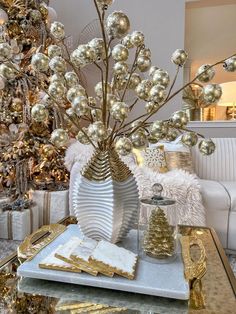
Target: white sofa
{"x": 217, "y": 175}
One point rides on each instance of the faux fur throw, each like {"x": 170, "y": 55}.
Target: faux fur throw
{"x": 177, "y": 184}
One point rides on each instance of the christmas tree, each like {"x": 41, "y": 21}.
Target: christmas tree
{"x": 27, "y": 118}
{"x": 159, "y": 239}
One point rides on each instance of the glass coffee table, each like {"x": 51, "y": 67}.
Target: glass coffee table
{"x": 25, "y": 295}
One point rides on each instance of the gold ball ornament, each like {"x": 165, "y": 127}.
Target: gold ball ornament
{"x": 57, "y": 30}
{"x": 5, "y": 51}
{"x": 57, "y": 90}
{"x": 35, "y": 16}
{"x": 230, "y": 64}
{"x": 171, "y": 135}
{"x": 59, "y": 138}
{"x": 8, "y": 70}
{"x": 139, "y": 139}
{"x": 120, "y": 68}
{"x": 158, "y": 129}
{"x": 97, "y": 131}
{"x": 48, "y": 151}
{"x": 212, "y": 93}
{"x": 146, "y": 52}
{"x": 157, "y": 94}
{"x": 179, "y": 119}
{"x": 143, "y": 63}
{"x": 137, "y": 38}
{"x": 207, "y": 147}
{"x": 54, "y": 51}
{"x": 152, "y": 70}
{"x": 152, "y": 139}
{"x": 40, "y": 62}
{"x": 206, "y": 73}
{"x": 82, "y": 138}
{"x": 135, "y": 79}
{"x": 75, "y": 92}
{"x": 80, "y": 105}
{"x": 57, "y": 77}
{"x": 86, "y": 54}
{"x": 99, "y": 91}
{"x": 179, "y": 57}
{"x": 124, "y": 146}
{"x": 143, "y": 89}
{"x": 43, "y": 10}
{"x": 16, "y": 105}
{"x": 119, "y": 111}
{"x": 161, "y": 77}
{"x": 117, "y": 24}
{"x": 39, "y": 113}
{"x": 120, "y": 53}
{"x": 127, "y": 41}
{"x": 99, "y": 47}
{"x": 58, "y": 64}
{"x": 189, "y": 139}
{"x": 151, "y": 106}
{"x": 71, "y": 79}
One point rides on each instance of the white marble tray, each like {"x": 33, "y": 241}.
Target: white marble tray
{"x": 165, "y": 280}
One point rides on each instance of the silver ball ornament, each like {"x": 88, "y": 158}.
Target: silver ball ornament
{"x": 151, "y": 106}
{"x": 57, "y": 77}
{"x": 189, "y": 139}
{"x": 206, "y": 73}
{"x": 40, "y": 62}
{"x": 99, "y": 91}
{"x": 230, "y": 64}
{"x": 143, "y": 63}
{"x": 57, "y": 90}
{"x": 86, "y": 54}
{"x": 57, "y": 30}
{"x": 137, "y": 38}
{"x": 120, "y": 68}
{"x": 59, "y": 138}
{"x": 171, "y": 135}
{"x": 152, "y": 70}
{"x": 71, "y": 79}
{"x": 124, "y": 146}
{"x": 207, "y": 147}
{"x": 146, "y": 52}
{"x": 75, "y": 58}
{"x": 75, "y": 92}
{"x": 5, "y": 51}
{"x": 98, "y": 45}
{"x": 120, "y": 53}
{"x": 143, "y": 89}
{"x": 119, "y": 111}
{"x": 157, "y": 94}
{"x": 103, "y": 3}
{"x": 212, "y": 93}
{"x": 158, "y": 129}
{"x": 8, "y": 70}
{"x": 54, "y": 50}
{"x": 97, "y": 131}
{"x": 82, "y": 138}
{"x": 179, "y": 57}
{"x": 39, "y": 113}
{"x": 135, "y": 79}
{"x": 111, "y": 99}
{"x": 139, "y": 139}
{"x": 161, "y": 77}
{"x": 80, "y": 105}
{"x": 127, "y": 41}
{"x": 179, "y": 119}
{"x": 117, "y": 24}
{"x": 57, "y": 64}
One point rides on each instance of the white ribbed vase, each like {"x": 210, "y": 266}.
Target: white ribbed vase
{"x": 105, "y": 198}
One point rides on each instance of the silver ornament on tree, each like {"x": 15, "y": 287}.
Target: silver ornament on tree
{"x": 158, "y": 129}
{"x": 98, "y": 45}
{"x": 97, "y": 131}
{"x": 58, "y": 64}
{"x": 157, "y": 94}
{"x": 206, "y": 73}
{"x": 75, "y": 92}
{"x": 151, "y": 106}
{"x": 123, "y": 146}
{"x": 8, "y": 70}
{"x": 207, "y": 147}
{"x": 120, "y": 68}
{"x": 71, "y": 79}
{"x": 57, "y": 30}
{"x": 120, "y": 53}
{"x": 82, "y": 138}
{"x": 119, "y": 111}
{"x": 80, "y": 105}
{"x": 135, "y": 79}
{"x": 40, "y": 62}
{"x": 54, "y": 50}
{"x": 212, "y": 93}
{"x": 179, "y": 57}
{"x": 5, "y": 51}
{"x": 117, "y": 24}
{"x": 143, "y": 89}
{"x": 137, "y": 38}
{"x": 179, "y": 119}
{"x": 161, "y": 77}
{"x": 59, "y": 138}
{"x": 57, "y": 90}
{"x": 139, "y": 139}
{"x": 230, "y": 64}
{"x": 143, "y": 63}
{"x": 127, "y": 41}
{"x": 189, "y": 139}
{"x": 39, "y": 113}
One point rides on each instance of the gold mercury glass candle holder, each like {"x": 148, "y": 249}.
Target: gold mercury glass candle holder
{"x": 157, "y": 235}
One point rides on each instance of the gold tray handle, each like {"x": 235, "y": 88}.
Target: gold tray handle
{"x": 194, "y": 270}
{"x": 36, "y": 241}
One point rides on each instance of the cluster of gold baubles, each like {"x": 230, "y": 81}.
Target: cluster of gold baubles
{"x": 65, "y": 87}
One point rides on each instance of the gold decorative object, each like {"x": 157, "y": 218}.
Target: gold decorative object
{"x": 194, "y": 270}
{"x": 27, "y": 250}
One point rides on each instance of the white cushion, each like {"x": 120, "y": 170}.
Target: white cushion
{"x": 216, "y": 201}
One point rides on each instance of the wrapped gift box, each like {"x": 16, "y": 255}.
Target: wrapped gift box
{"x": 16, "y": 225}
{"x": 52, "y": 206}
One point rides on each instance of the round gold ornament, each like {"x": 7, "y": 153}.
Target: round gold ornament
{"x": 146, "y": 52}
{"x": 161, "y": 77}
{"x": 127, "y": 41}
{"x": 39, "y": 113}
{"x": 75, "y": 92}
{"x": 157, "y": 94}
{"x": 57, "y": 30}
{"x": 171, "y": 135}
{"x": 76, "y": 60}
{"x": 179, "y": 57}
{"x": 120, "y": 53}
{"x": 151, "y": 106}
{"x": 43, "y": 10}
{"x": 117, "y": 24}
{"x": 212, "y": 93}
{"x": 59, "y": 138}
{"x": 124, "y": 146}
{"x": 48, "y": 151}
{"x": 71, "y": 79}
{"x": 16, "y": 105}
{"x": 98, "y": 45}
{"x": 54, "y": 51}
{"x": 143, "y": 89}
{"x": 120, "y": 68}
{"x": 58, "y": 77}
{"x": 189, "y": 139}
{"x": 40, "y": 62}
{"x": 139, "y": 139}
{"x": 206, "y": 73}
{"x": 179, "y": 119}
{"x": 57, "y": 64}
{"x": 97, "y": 131}
{"x": 119, "y": 111}
{"x": 8, "y": 70}
{"x": 99, "y": 91}
{"x": 35, "y": 16}
{"x": 152, "y": 139}
{"x": 152, "y": 70}
{"x": 144, "y": 63}
{"x": 158, "y": 129}
{"x": 137, "y": 38}
{"x": 82, "y": 138}
{"x": 57, "y": 90}
{"x": 86, "y": 54}
{"x": 207, "y": 147}
{"x": 5, "y": 51}
{"x": 230, "y": 64}
{"x": 135, "y": 79}
{"x": 80, "y": 105}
